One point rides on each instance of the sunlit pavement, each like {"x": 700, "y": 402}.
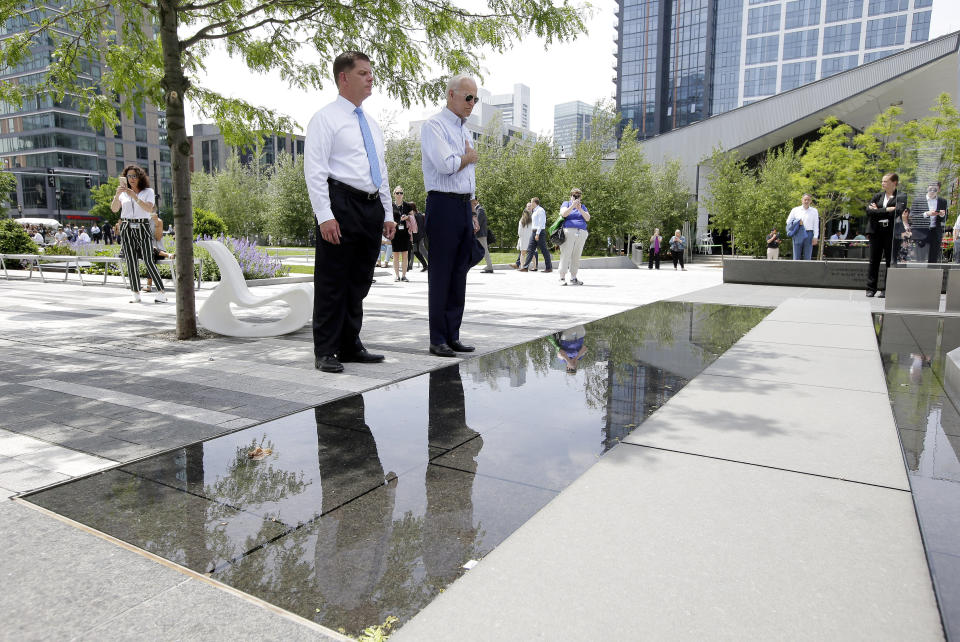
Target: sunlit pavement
{"x": 92, "y": 380}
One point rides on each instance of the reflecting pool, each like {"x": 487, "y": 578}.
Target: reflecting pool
{"x": 368, "y": 506}
{"x": 914, "y": 349}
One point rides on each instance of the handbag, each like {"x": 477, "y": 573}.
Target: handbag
{"x": 558, "y": 236}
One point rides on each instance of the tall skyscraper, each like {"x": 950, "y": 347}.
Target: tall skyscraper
{"x": 571, "y": 124}
{"x": 679, "y": 61}
{"x": 46, "y": 134}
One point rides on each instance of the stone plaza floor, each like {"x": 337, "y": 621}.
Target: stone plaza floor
{"x": 766, "y": 497}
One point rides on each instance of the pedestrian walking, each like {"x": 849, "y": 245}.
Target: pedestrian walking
{"x": 482, "y": 233}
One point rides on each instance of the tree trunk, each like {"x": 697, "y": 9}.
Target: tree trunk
{"x": 175, "y": 85}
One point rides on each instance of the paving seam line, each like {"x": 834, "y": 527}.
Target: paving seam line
{"x": 795, "y": 383}
{"x": 779, "y": 468}
{"x": 191, "y": 573}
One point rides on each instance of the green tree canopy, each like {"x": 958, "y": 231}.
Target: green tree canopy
{"x": 290, "y": 214}
{"x": 102, "y": 197}
{"x": 153, "y": 51}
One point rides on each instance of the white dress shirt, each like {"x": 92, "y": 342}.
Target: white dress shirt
{"x": 539, "y": 219}
{"x": 38, "y": 238}
{"x": 443, "y": 140}
{"x": 129, "y": 209}
{"x": 932, "y": 207}
{"x": 334, "y": 149}
{"x": 810, "y": 218}
{"x": 84, "y": 237}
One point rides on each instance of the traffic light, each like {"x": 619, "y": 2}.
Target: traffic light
{"x": 51, "y": 181}
{"x": 88, "y": 182}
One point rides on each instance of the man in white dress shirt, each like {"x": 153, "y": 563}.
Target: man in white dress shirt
{"x": 449, "y": 163}
{"x": 538, "y": 239}
{"x": 347, "y": 181}
{"x": 806, "y": 240}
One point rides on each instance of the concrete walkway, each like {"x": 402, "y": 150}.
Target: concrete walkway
{"x": 768, "y": 497}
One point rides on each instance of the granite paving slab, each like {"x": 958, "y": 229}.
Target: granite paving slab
{"x": 698, "y": 548}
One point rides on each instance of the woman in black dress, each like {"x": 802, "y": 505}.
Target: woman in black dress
{"x": 401, "y": 238}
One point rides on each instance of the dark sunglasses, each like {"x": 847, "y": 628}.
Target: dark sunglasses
{"x": 470, "y": 98}
{"x": 398, "y": 192}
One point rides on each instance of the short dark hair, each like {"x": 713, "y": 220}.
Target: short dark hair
{"x": 143, "y": 181}
{"x": 894, "y": 177}
{"x": 536, "y": 200}
{"x": 345, "y": 62}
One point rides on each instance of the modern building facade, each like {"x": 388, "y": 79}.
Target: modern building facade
{"x": 680, "y": 61}
{"x": 56, "y": 155}
{"x": 209, "y": 151}
{"x": 571, "y": 124}
{"x": 513, "y": 108}
{"x": 911, "y": 80}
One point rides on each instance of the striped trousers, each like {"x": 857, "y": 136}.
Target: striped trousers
{"x": 138, "y": 244}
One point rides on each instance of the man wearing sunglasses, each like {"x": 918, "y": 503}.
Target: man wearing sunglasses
{"x": 449, "y": 163}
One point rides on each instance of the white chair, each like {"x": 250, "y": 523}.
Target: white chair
{"x": 215, "y": 314}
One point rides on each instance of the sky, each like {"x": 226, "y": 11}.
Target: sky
{"x": 580, "y": 70}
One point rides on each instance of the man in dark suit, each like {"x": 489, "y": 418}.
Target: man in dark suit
{"x": 346, "y": 178}
{"x": 883, "y": 210}
{"x": 936, "y": 212}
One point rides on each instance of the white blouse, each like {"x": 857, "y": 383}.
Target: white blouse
{"x": 131, "y": 210}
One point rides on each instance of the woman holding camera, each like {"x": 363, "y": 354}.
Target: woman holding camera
{"x": 575, "y": 217}
{"x": 135, "y": 202}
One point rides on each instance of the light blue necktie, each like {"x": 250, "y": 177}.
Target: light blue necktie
{"x": 370, "y": 147}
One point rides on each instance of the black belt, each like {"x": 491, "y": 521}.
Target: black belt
{"x": 353, "y": 190}
{"x": 460, "y": 197}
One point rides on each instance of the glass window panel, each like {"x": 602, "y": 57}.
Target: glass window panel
{"x": 833, "y": 66}
{"x": 840, "y": 38}
{"x": 838, "y": 10}
{"x": 800, "y": 44}
{"x": 920, "y": 31}
{"x": 878, "y": 7}
{"x": 802, "y": 13}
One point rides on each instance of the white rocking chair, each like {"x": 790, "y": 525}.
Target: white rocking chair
{"x": 216, "y": 315}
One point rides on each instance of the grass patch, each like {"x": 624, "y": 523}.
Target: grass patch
{"x": 299, "y": 269}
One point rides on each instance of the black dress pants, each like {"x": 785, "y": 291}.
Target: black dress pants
{"x": 450, "y": 234}
{"x": 933, "y": 240}
{"x": 881, "y": 243}
{"x": 677, "y": 257}
{"x": 343, "y": 272}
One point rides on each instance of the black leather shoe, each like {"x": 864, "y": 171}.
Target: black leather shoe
{"x": 459, "y": 347}
{"x": 328, "y": 364}
{"x": 361, "y": 356}
{"x": 442, "y": 350}
{"x": 882, "y": 295}
{"x": 869, "y": 293}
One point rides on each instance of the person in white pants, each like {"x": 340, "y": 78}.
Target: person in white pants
{"x": 575, "y": 217}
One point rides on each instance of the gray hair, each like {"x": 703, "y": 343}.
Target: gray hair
{"x": 454, "y": 82}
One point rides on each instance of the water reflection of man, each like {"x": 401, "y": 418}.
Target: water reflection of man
{"x": 571, "y": 347}
{"x": 936, "y": 213}
{"x": 352, "y": 538}
{"x": 448, "y": 530}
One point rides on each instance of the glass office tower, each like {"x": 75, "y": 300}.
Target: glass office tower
{"x": 47, "y": 134}
{"x": 679, "y": 61}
